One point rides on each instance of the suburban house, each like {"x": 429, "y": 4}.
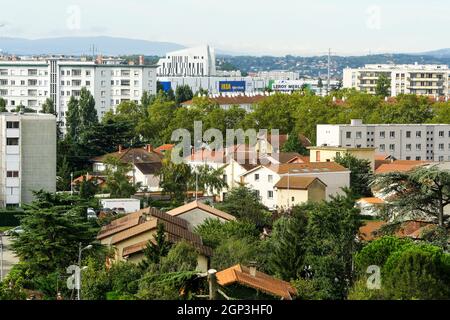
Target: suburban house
{"x": 130, "y": 235}
{"x": 299, "y": 190}
{"x": 240, "y": 164}
{"x": 274, "y": 143}
{"x": 329, "y": 153}
{"x": 196, "y": 212}
{"x": 264, "y": 178}
{"x": 146, "y": 162}
{"x": 241, "y": 282}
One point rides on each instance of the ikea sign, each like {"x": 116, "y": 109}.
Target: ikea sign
{"x": 232, "y": 86}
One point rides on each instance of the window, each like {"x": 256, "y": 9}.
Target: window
{"x": 358, "y": 135}
{"x": 12, "y": 141}
{"x": 256, "y": 177}
{"x": 408, "y": 147}
{"x": 441, "y": 146}
{"x": 418, "y": 134}
{"x": 392, "y": 147}
{"x": 348, "y": 135}
{"x": 270, "y": 178}
{"x": 408, "y": 134}
{"x": 418, "y": 147}
{"x": 12, "y": 174}
{"x": 270, "y": 194}
{"x": 408, "y": 158}
{"x": 441, "y": 158}
{"x": 392, "y": 134}
{"x": 12, "y": 125}
{"x": 441, "y": 134}
{"x": 382, "y": 147}
{"x": 382, "y": 134}
{"x": 418, "y": 158}
{"x": 225, "y": 178}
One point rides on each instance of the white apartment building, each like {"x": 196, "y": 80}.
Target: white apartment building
{"x": 31, "y": 82}
{"x": 428, "y": 142}
{"x": 190, "y": 62}
{"x": 27, "y": 156}
{"x": 264, "y": 179}
{"x": 432, "y": 80}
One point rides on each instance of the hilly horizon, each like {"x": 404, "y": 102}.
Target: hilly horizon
{"x": 83, "y": 46}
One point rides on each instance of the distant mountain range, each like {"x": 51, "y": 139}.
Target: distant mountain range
{"x": 441, "y": 53}
{"x": 83, "y": 45}
{"x": 313, "y": 66}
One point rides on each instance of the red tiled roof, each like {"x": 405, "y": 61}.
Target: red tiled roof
{"x": 200, "y": 205}
{"x": 299, "y": 183}
{"x": 260, "y": 281}
{"x": 399, "y": 166}
{"x": 133, "y": 155}
{"x": 165, "y": 147}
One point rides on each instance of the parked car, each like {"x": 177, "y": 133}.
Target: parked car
{"x": 91, "y": 214}
{"x": 16, "y": 230}
{"x": 119, "y": 210}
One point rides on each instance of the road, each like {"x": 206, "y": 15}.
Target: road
{"x": 9, "y": 259}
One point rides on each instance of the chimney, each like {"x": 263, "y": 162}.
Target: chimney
{"x": 252, "y": 268}
{"x": 141, "y": 60}
{"x": 149, "y": 148}
{"x": 356, "y": 122}
{"x": 120, "y": 148}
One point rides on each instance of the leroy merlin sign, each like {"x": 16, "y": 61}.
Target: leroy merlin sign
{"x": 288, "y": 85}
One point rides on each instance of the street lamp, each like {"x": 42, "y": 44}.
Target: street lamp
{"x": 80, "y": 250}
{"x": 288, "y": 187}
{"x": 1, "y": 256}
{"x": 71, "y": 183}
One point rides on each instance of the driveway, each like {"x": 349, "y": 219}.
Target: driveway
{"x": 9, "y": 259}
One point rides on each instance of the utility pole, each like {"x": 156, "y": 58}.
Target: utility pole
{"x": 329, "y": 71}
{"x": 1, "y": 257}
{"x": 212, "y": 281}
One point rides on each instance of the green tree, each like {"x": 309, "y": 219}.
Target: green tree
{"x": 183, "y": 93}
{"x": 3, "y": 105}
{"x": 87, "y": 111}
{"x": 73, "y": 121}
{"x": 53, "y": 227}
{"x": 175, "y": 179}
{"x": 287, "y": 245}
{"x": 293, "y": 144}
{"x": 156, "y": 249}
{"x": 208, "y": 179}
{"x": 87, "y": 189}
{"x": 116, "y": 177}
{"x": 245, "y": 205}
{"x": 360, "y": 174}
{"x": 48, "y": 106}
{"x": 214, "y": 232}
{"x": 423, "y": 192}
{"x": 383, "y": 87}
{"x": 172, "y": 276}
{"x": 63, "y": 175}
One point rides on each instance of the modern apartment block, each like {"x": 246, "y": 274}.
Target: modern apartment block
{"x": 27, "y": 156}
{"x": 432, "y": 80}
{"x": 403, "y": 141}
{"x": 191, "y": 62}
{"x": 31, "y": 82}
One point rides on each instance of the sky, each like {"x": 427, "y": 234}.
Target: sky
{"x": 259, "y": 27}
